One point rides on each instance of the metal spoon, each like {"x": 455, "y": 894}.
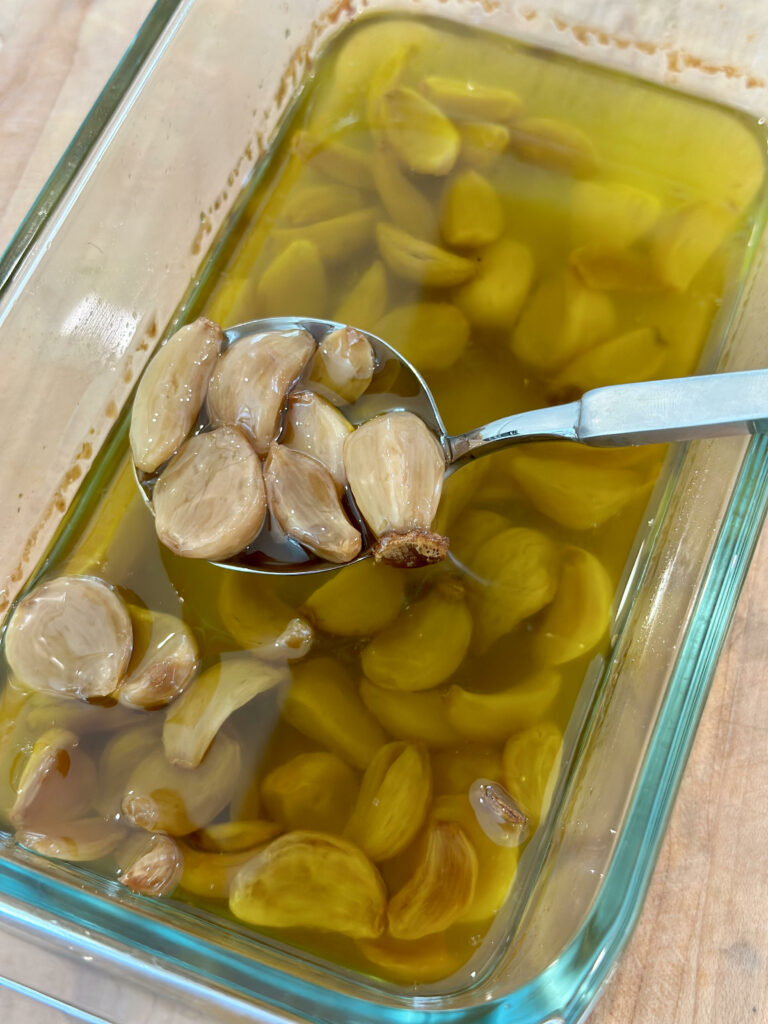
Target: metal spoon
{"x": 681, "y": 409}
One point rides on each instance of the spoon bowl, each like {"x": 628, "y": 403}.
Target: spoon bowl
{"x": 622, "y": 415}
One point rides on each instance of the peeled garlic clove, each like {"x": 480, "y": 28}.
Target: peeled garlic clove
{"x": 260, "y": 621}
{"x": 686, "y": 238}
{"x": 303, "y": 499}
{"x": 393, "y": 800}
{"x": 343, "y": 366}
{"x": 315, "y": 791}
{"x": 193, "y": 721}
{"x": 419, "y": 132}
{"x": 209, "y": 501}
{"x": 482, "y": 143}
{"x": 57, "y": 783}
{"x": 160, "y": 797}
{"x": 554, "y": 144}
{"x": 531, "y": 765}
{"x": 426, "y": 959}
{"x": 462, "y": 98}
{"x": 171, "y": 392}
{"x": 633, "y": 356}
{"x": 442, "y": 887}
{"x": 337, "y": 239}
{"x": 324, "y": 705}
{"x": 395, "y": 467}
{"x": 610, "y": 213}
{"x": 492, "y": 717}
{"x": 210, "y": 874}
{"x": 118, "y": 759}
{"x": 454, "y": 771}
{"x": 497, "y": 813}
{"x": 404, "y": 203}
{"x": 235, "y": 836}
{"x": 297, "y": 270}
{"x": 425, "y": 645}
{"x": 81, "y": 840}
{"x": 314, "y": 426}
{"x": 311, "y": 880}
{"x": 420, "y": 261}
{"x": 151, "y": 865}
{"x": 359, "y": 601}
{"x": 164, "y": 660}
{"x": 336, "y": 159}
{"x": 364, "y": 305}
{"x": 71, "y": 635}
{"x": 251, "y": 380}
{"x": 414, "y": 717}
{"x": 431, "y": 335}
{"x": 495, "y": 296}
{"x": 472, "y": 214}
{"x": 320, "y": 202}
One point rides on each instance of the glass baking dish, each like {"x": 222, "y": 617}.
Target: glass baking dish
{"x": 91, "y": 288}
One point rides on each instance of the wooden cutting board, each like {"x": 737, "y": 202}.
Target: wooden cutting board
{"x": 700, "y": 951}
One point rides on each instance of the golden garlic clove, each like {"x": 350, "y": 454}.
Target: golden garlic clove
{"x": 420, "y": 261}
{"x": 442, "y": 887}
{"x": 297, "y": 270}
{"x": 336, "y": 240}
{"x": 193, "y": 721}
{"x": 423, "y": 960}
{"x": 364, "y": 304}
{"x": 393, "y": 800}
{"x": 170, "y": 393}
{"x": 431, "y": 335}
{"x": 315, "y": 791}
{"x": 395, "y": 468}
{"x": 304, "y": 501}
{"x": 633, "y": 356}
{"x": 531, "y": 766}
{"x": 359, "y": 601}
{"x": 320, "y": 202}
{"x": 343, "y": 366}
{"x": 251, "y": 380}
{"x": 454, "y": 770}
{"x": 71, "y": 635}
{"x": 164, "y": 660}
{"x": 462, "y": 98}
{"x": 316, "y": 427}
{"x": 492, "y": 717}
{"x": 494, "y": 297}
{"x": 235, "y": 836}
{"x": 210, "y": 874}
{"x": 482, "y": 143}
{"x": 260, "y": 621}
{"x": 472, "y": 214}
{"x": 311, "y": 880}
{"x": 57, "y": 783}
{"x": 419, "y": 132}
{"x": 81, "y": 840}
{"x": 405, "y": 204}
{"x": 160, "y": 797}
{"x": 554, "y": 144}
{"x": 336, "y": 159}
{"x": 209, "y": 501}
{"x": 118, "y": 759}
{"x": 413, "y": 717}
{"x": 150, "y": 865}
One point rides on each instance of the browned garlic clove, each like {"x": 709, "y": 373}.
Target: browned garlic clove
{"x": 209, "y": 501}
{"x": 171, "y": 392}
{"x": 164, "y": 660}
{"x": 71, "y": 635}
{"x": 150, "y": 864}
{"x": 81, "y": 840}
{"x": 395, "y": 467}
{"x": 251, "y": 380}
{"x": 58, "y": 782}
{"x": 343, "y": 366}
{"x": 316, "y": 427}
{"x": 303, "y": 499}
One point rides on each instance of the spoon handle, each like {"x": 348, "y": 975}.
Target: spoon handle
{"x": 682, "y": 409}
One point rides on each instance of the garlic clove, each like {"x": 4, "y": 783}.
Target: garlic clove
{"x": 81, "y": 840}
{"x": 164, "y": 660}
{"x": 395, "y": 467}
{"x": 343, "y": 366}
{"x": 171, "y": 392}
{"x": 251, "y": 380}
{"x": 235, "y": 836}
{"x": 314, "y": 426}
{"x": 209, "y": 501}
{"x": 151, "y": 865}
{"x": 57, "y": 783}
{"x": 71, "y": 635}
{"x": 303, "y": 499}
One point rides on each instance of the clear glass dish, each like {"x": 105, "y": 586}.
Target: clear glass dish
{"x": 91, "y": 290}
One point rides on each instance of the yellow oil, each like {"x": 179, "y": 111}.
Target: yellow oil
{"x": 599, "y": 180}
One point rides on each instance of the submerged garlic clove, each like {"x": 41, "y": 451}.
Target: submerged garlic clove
{"x": 209, "y": 501}
{"x": 151, "y": 865}
{"x": 497, "y": 813}
{"x": 118, "y": 759}
{"x": 164, "y": 660}
{"x": 71, "y": 635}
{"x": 343, "y": 366}
{"x": 314, "y": 426}
{"x": 196, "y": 717}
{"x": 235, "y": 836}
{"x": 57, "y": 783}
{"x": 251, "y": 380}
{"x": 395, "y": 467}
{"x": 171, "y": 392}
{"x": 260, "y": 621}
{"x": 303, "y": 499}
{"x": 81, "y": 840}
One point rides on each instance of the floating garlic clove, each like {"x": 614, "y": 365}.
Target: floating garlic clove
{"x": 314, "y": 426}
{"x": 343, "y": 366}
{"x": 164, "y": 660}
{"x": 196, "y": 717}
{"x": 160, "y": 797}
{"x": 251, "y": 380}
{"x": 497, "y": 813}
{"x": 81, "y": 840}
{"x": 57, "y": 783}
{"x": 395, "y": 468}
{"x": 171, "y": 392}
{"x": 303, "y": 499}
{"x": 151, "y": 865}
{"x": 71, "y": 635}
{"x": 209, "y": 501}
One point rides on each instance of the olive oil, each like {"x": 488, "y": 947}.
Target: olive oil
{"x": 521, "y": 227}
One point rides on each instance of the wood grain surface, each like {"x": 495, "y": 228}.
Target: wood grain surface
{"x": 700, "y": 950}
